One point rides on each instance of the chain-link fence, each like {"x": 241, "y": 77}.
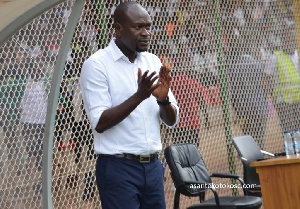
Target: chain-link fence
{"x": 235, "y": 71}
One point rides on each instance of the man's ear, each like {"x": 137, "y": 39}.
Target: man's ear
{"x": 118, "y": 28}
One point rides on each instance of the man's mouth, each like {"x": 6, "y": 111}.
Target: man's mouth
{"x": 145, "y": 42}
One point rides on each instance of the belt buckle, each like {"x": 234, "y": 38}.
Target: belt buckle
{"x": 144, "y": 159}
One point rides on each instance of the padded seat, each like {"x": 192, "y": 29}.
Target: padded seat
{"x": 234, "y": 202}
{"x": 189, "y": 175}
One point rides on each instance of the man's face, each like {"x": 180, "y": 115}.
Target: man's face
{"x": 135, "y": 30}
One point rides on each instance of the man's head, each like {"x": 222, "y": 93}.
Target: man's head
{"x": 132, "y": 27}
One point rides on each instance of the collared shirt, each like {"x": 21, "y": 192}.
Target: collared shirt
{"x": 107, "y": 79}
{"x": 34, "y": 102}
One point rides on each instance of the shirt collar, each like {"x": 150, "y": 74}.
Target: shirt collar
{"x": 117, "y": 53}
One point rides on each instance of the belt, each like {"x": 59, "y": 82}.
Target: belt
{"x": 138, "y": 158}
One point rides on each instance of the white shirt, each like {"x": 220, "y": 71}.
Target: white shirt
{"x": 239, "y": 15}
{"x": 34, "y": 102}
{"x": 107, "y": 79}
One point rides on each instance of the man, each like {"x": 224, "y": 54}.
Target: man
{"x": 247, "y": 80}
{"x": 188, "y": 93}
{"x": 124, "y": 100}
{"x": 284, "y": 80}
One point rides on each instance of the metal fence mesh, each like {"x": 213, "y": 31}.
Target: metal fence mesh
{"x": 222, "y": 60}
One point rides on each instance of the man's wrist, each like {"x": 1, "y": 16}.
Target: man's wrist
{"x": 164, "y": 102}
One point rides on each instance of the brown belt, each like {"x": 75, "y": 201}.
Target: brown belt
{"x": 138, "y": 158}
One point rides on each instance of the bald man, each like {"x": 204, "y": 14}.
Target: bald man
{"x": 126, "y": 92}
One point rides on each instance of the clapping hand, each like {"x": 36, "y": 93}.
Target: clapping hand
{"x": 147, "y": 85}
{"x": 164, "y": 81}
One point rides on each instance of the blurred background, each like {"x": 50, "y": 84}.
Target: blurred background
{"x": 235, "y": 71}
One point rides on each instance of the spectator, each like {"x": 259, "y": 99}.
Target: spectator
{"x": 12, "y": 90}
{"x": 188, "y": 93}
{"x": 248, "y": 93}
{"x": 284, "y": 81}
{"x": 64, "y": 113}
{"x": 83, "y": 138}
{"x": 171, "y": 26}
{"x": 33, "y": 109}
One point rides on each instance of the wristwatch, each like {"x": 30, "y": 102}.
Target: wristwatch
{"x": 164, "y": 103}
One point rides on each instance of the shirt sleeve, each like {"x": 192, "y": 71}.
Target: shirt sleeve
{"x": 94, "y": 90}
{"x": 175, "y": 104}
{"x": 271, "y": 65}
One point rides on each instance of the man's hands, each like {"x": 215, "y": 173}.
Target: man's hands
{"x": 161, "y": 92}
{"x": 146, "y": 85}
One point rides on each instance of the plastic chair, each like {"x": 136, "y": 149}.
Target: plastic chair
{"x": 191, "y": 178}
{"x": 248, "y": 151}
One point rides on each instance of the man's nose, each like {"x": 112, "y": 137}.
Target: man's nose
{"x": 146, "y": 32}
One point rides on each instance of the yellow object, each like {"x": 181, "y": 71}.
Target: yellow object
{"x": 289, "y": 83}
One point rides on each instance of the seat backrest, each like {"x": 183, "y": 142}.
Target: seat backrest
{"x": 186, "y": 165}
{"x": 247, "y": 148}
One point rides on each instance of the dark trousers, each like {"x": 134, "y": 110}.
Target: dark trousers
{"x": 288, "y": 114}
{"x": 33, "y": 138}
{"x": 124, "y": 183}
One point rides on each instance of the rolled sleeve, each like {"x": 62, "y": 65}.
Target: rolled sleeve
{"x": 94, "y": 90}
{"x": 175, "y": 104}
